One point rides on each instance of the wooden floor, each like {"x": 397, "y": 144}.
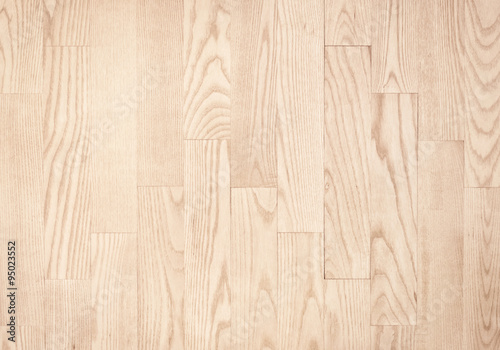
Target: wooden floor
{"x": 264, "y": 174}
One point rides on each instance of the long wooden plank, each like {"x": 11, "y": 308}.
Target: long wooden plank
{"x": 66, "y": 23}
{"x": 207, "y": 61}
{"x": 160, "y": 93}
{"x": 440, "y": 252}
{"x": 347, "y": 140}
{"x": 253, "y": 268}
{"x": 300, "y": 116}
{"x": 480, "y": 26}
{"x": 442, "y": 98}
{"x": 207, "y": 254}
{"x": 114, "y": 291}
{"x": 160, "y": 276}
{"x": 481, "y": 269}
{"x": 394, "y": 46}
{"x": 393, "y": 338}
{"x": 68, "y": 315}
{"x": 393, "y": 175}
{"x": 348, "y": 22}
{"x": 347, "y": 314}
{"x": 300, "y": 291}
{"x": 21, "y": 36}
{"x": 66, "y": 165}
{"x": 253, "y": 93}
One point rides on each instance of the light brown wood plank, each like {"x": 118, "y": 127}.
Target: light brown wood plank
{"x": 300, "y": 291}
{"x": 300, "y": 116}
{"x": 443, "y": 106}
{"x": 440, "y": 252}
{"x": 480, "y": 32}
{"x": 66, "y": 165}
{"x": 393, "y": 174}
{"x": 114, "y": 291}
{"x": 30, "y": 337}
{"x": 160, "y": 119}
{"x": 347, "y": 181}
{"x": 68, "y": 321}
{"x": 254, "y": 268}
{"x": 207, "y": 63}
{"x": 253, "y": 93}
{"x": 66, "y": 22}
{"x": 393, "y": 338}
{"x": 394, "y": 46}
{"x": 347, "y": 314}
{"x": 113, "y": 23}
{"x": 160, "y": 282}
{"x": 348, "y": 22}
{"x": 207, "y": 255}
{"x": 481, "y": 269}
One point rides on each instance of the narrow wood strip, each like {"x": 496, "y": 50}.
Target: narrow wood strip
{"x": 348, "y": 22}
{"x": 66, "y": 23}
{"x": 393, "y": 338}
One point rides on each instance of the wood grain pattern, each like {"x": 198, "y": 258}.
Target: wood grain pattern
{"x": 207, "y": 254}
{"x": 348, "y": 22}
{"x": 347, "y": 314}
{"x": 394, "y": 46}
{"x": 300, "y": 116}
{"x": 481, "y": 269}
{"x": 66, "y": 166}
{"x": 300, "y": 291}
{"x": 440, "y": 252}
{"x": 347, "y": 139}
{"x": 481, "y": 30}
{"x": 393, "y": 338}
{"x": 160, "y": 118}
{"x": 68, "y": 315}
{"x": 114, "y": 291}
{"x": 207, "y": 61}
{"x": 393, "y": 174}
{"x": 21, "y": 36}
{"x": 254, "y": 70}
{"x": 443, "y": 106}
{"x": 66, "y": 22}
{"x": 30, "y": 337}
{"x": 160, "y": 276}
{"x": 254, "y": 268}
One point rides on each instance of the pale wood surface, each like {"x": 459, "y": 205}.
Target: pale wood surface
{"x": 348, "y": 22}
{"x": 393, "y": 338}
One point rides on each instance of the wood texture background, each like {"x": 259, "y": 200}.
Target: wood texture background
{"x": 267, "y": 174}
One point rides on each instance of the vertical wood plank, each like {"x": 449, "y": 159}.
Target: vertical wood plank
{"x": 347, "y": 139}
{"x": 207, "y": 61}
{"x": 300, "y": 116}
{"x": 207, "y": 253}
{"x": 160, "y": 282}
{"x": 393, "y": 338}
{"x": 66, "y": 23}
{"x": 481, "y": 269}
{"x": 114, "y": 291}
{"x": 253, "y": 268}
{"x": 440, "y": 252}
{"x": 253, "y": 94}
{"x": 66, "y": 167}
{"x": 348, "y": 22}
{"x": 393, "y": 174}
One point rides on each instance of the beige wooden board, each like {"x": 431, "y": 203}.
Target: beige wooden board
{"x": 114, "y": 291}
{"x": 66, "y": 22}
{"x": 207, "y": 63}
{"x": 160, "y": 271}
{"x": 348, "y": 22}
{"x": 21, "y": 37}
{"x": 394, "y": 46}
{"x": 207, "y": 254}
{"x": 300, "y": 116}
{"x": 480, "y": 23}
{"x": 347, "y": 314}
{"x": 68, "y": 315}
{"x": 347, "y": 139}
{"x": 440, "y": 251}
{"x": 160, "y": 159}
{"x": 393, "y": 338}
{"x": 66, "y": 165}
{"x": 300, "y": 291}
{"x": 481, "y": 269}
{"x": 254, "y": 93}
{"x": 254, "y": 285}
{"x": 393, "y": 176}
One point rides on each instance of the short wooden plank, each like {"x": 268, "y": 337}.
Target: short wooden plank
{"x": 393, "y": 338}
{"x": 348, "y": 22}
{"x": 66, "y": 23}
